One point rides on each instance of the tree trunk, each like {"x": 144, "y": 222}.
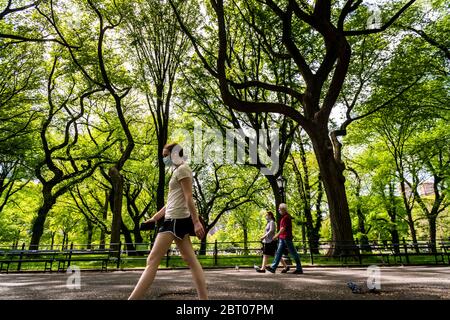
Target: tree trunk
{"x": 277, "y": 195}
{"x": 162, "y": 133}
{"x": 408, "y": 210}
{"x": 90, "y": 232}
{"x": 315, "y": 235}
{"x": 160, "y": 191}
{"x": 105, "y": 216}
{"x": 38, "y": 224}
{"x": 53, "y": 240}
{"x": 412, "y": 229}
{"x": 364, "y": 240}
{"x": 116, "y": 206}
{"x": 392, "y": 213}
{"x": 203, "y": 243}
{"x": 312, "y": 232}
{"x": 432, "y": 228}
{"x": 137, "y": 233}
{"x": 334, "y": 184}
{"x": 128, "y": 240}
{"x": 395, "y": 239}
{"x": 245, "y": 241}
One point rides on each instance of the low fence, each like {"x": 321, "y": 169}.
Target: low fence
{"x": 217, "y": 254}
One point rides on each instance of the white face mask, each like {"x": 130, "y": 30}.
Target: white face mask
{"x": 167, "y": 161}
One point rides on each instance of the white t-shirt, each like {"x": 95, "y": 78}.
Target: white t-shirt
{"x": 176, "y": 207}
{"x": 269, "y": 232}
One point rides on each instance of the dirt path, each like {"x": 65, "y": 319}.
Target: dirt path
{"x": 242, "y": 284}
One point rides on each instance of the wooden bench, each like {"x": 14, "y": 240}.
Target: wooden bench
{"x": 69, "y": 256}
{"x": 423, "y": 249}
{"x": 28, "y": 256}
{"x": 445, "y": 250}
{"x": 384, "y": 251}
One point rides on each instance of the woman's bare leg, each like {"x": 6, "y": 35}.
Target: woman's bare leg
{"x": 264, "y": 262}
{"x": 188, "y": 254}
{"x": 162, "y": 244}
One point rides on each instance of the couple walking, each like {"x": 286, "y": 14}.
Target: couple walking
{"x": 284, "y": 236}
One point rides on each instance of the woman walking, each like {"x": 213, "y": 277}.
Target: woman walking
{"x": 180, "y": 220}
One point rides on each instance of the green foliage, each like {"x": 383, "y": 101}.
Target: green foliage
{"x": 398, "y": 83}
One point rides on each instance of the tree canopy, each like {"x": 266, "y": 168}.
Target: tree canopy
{"x": 348, "y": 101}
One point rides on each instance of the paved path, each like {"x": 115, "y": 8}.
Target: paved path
{"x": 243, "y": 284}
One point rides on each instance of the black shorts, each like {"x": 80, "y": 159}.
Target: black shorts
{"x": 178, "y": 227}
{"x": 270, "y": 248}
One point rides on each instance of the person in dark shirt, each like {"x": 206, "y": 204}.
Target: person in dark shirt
{"x": 285, "y": 240}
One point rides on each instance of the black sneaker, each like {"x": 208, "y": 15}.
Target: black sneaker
{"x": 258, "y": 269}
{"x": 270, "y": 269}
{"x": 285, "y": 270}
{"x": 298, "y": 272}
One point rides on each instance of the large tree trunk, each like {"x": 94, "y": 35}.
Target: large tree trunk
{"x": 277, "y": 195}
{"x": 334, "y": 184}
{"x": 38, "y": 224}
{"x": 116, "y": 206}
{"x": 105, "y": 216}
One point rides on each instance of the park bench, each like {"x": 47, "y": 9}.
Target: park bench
{"x": 27, "y": 256}
{"x": 383, "y": 250}
{"x": 65, "y": 260}
{"x": 386, "y": 251}
{"x": 423, "y": 249}
{"x": 445, "y": 247}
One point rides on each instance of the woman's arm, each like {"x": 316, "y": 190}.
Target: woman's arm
{"x": 158, "y": 215}
{"x": 271, "y": 229}
{"x": 186, "y": 186}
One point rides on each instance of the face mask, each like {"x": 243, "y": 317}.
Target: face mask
{"x": 167, "y": 161}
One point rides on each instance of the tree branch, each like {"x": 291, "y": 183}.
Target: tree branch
{"x": 384, "y": 27}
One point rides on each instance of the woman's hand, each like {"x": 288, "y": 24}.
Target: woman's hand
{"x": 199, "y": 230}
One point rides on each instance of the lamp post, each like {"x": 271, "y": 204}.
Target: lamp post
{"x": 281, "y": 182}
